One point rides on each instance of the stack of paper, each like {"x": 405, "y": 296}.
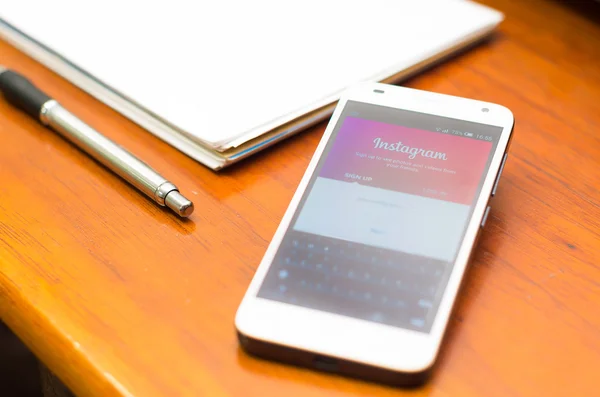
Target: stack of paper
{"x": 221, "y": 80}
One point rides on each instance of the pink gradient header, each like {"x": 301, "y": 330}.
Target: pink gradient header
{"x": 407, "y": 160}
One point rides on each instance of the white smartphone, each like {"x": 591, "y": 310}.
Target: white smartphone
{"x": 364, "y": 269}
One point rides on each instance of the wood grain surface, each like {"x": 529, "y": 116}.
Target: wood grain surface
{"x": 120, "y": 297}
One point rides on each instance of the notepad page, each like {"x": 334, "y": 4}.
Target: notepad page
{"x": 227, "y": 71}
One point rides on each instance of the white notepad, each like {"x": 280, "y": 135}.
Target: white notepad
{"x": 220, "y": 80}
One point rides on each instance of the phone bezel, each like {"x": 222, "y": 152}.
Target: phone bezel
{"x": 362, "y": 341}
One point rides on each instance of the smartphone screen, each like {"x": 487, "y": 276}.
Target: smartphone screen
{"x": 378, "y": 229}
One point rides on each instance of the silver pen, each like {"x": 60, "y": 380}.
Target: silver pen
{"x": 22, "y": 94}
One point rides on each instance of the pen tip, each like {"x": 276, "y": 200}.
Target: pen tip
{"x": 178, "y": 203}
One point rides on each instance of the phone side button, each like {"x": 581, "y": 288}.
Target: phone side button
{"x": 499, "y": 174}
{"x": 485, "y": 215}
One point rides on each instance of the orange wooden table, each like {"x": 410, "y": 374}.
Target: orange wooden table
{"x": 120, "y": 297}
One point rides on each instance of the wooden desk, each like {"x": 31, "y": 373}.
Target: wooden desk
{"x": 117, "y": 296}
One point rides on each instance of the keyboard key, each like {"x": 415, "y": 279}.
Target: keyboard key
{"x": 426, "y": 304}
{"x": 401, "y": 303}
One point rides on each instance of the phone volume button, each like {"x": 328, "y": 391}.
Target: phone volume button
{"x": 499, "y": 174}
{"x": 485, "y": 215}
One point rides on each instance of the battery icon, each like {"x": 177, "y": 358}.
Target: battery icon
{"x": 469, "y": 134}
